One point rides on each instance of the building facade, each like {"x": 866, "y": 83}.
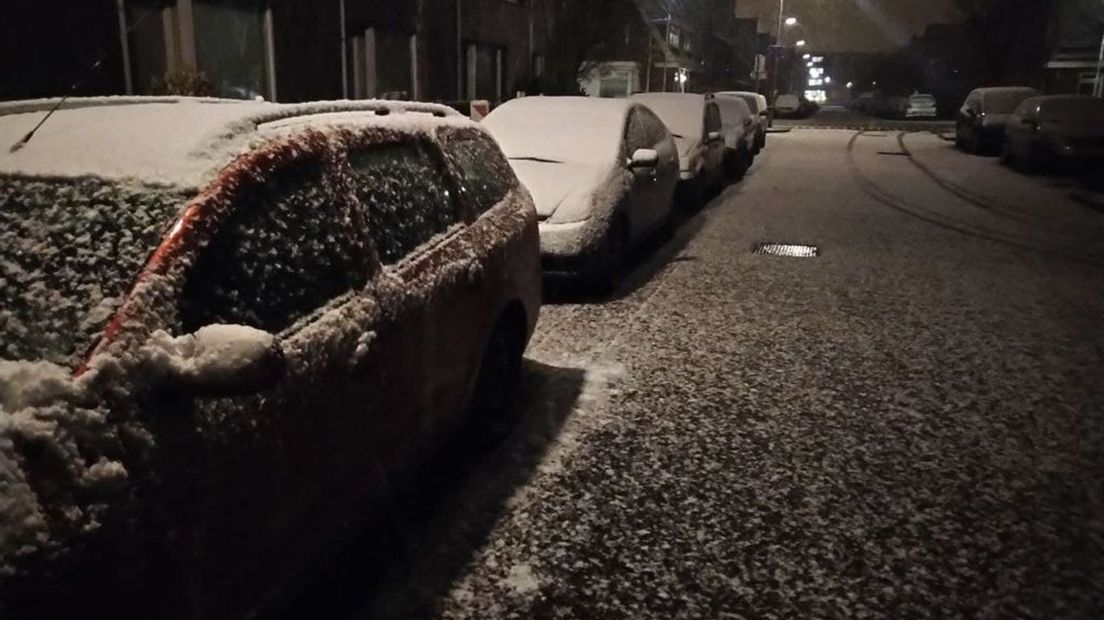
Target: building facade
{"x": 1076, "y": 44}
{"x": 280, "y": 50}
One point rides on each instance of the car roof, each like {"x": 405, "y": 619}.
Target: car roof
{"x": 171, "y": 141}
{"x": 992, "y": 90}
{"x": 688, "y": 97}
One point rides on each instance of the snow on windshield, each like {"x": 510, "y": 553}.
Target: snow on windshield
{"x": 559, "y": 129}
{"x": 681, "y": 113}
{"x": 68, "y": 251}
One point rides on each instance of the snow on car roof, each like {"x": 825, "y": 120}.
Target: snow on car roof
{"x": 560, "y": 129}
{"x": 681, "y": 112}
{"x": 156, "y": 140}
{"x": 752, "y": 99}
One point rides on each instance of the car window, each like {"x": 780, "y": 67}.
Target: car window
{"x": 285, "y": 250}
{"x": 644, "y": 130}
{"x": 712, "y": 118}
{"x": 486, "y": 175}
{"x": 405, "y": 199}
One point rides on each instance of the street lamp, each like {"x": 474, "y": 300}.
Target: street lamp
{"x": 800, "y": 43}
{"x": 791, "y": 21}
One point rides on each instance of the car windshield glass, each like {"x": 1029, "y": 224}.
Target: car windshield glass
{"x": 559, "y": 130}
{"x": 68, "y": 252}
{"x": 1005, "y": 101}
{"x": 682, "y": 115}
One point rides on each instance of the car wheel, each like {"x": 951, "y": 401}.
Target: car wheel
{"x": 494, "y": 402}
{"x": 612, "y": 256}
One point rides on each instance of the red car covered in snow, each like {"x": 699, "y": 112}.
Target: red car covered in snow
{"x": 225, "y": 325}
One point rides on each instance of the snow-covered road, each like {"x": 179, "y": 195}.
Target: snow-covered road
{"x": 909, "y": 425}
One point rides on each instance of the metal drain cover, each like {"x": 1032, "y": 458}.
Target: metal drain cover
{"x": 785, "y": 249}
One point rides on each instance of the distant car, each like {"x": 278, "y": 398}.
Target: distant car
{"x": 1043, "y": 131}
{"x": 761, "y": 115}
{"x": 786, "y": 106}
{"x": 235, "y": 322}
{"x": 601, "y": 171}
{"x": 737, "y": 125}
{"x": 981, "y": 121}
{"x": 919, "y": 105}
{"x": 695, "y": 123}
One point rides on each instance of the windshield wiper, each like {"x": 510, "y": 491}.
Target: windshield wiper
{"x": 540, "y": 159}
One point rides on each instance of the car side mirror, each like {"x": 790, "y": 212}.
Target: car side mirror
{"x": 713, "y": 136}
{"x": 216, "y": 361}
{"x": 643, "y": 158}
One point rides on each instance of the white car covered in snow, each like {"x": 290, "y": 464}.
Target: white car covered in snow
{"x": 602, "y": 173}
{"x": 695, "y": 123}
{"x": 226, "y": 326}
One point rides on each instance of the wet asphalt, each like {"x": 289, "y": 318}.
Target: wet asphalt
{"x": 909, "y": 425}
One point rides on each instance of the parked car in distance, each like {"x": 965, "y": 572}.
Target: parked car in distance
{"x": 602, "y": 173}
{"x": 1044, "y": 131}
{"x": 695, "y": 123}
{"x": 920, "y": 105}
{"x": 738, "y": 129}
{"x": 980, "y": 122}
{"x": 242, "y": 321}
{"x": 761, "y": 114}
{"x": 787, "y": 106}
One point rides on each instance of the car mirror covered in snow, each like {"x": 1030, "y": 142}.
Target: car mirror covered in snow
{"x": 216, "y": 360}
{"x": 644, "y": 158}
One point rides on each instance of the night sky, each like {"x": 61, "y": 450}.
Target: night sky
{"x": 851, "y": 25}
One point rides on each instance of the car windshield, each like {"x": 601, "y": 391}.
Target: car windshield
{"x": 682, "y": 115}
{"x": 68, "y": 251}
{"x": 559, "y": 130}
{"x": 1005, "y": 101}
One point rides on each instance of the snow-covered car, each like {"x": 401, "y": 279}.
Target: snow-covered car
{"x": 739, "y": 135}
{"x": 981, "y": 121}
{"x": 602, "y": 173}
{"x": 225, "y": 326}
{"x": 787, "y": 106}
{"x": 760, "y": 114}
{"x": 695, "y": 122}
{"x": 1043, "y": 131}
{"x": 919, "y": 105}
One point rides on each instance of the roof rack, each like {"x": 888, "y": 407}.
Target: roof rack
{"x": 25, "y": 106}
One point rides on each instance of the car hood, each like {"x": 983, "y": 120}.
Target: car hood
{"x": 551, "y": 184}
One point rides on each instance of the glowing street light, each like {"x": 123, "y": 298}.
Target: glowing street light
{"x": 850, "y": 84}
{"x": 800, "y": 43}
{"x": 791, "y": 21}
{"x": 827, "y": 80}
{"x": 806, "y": 57}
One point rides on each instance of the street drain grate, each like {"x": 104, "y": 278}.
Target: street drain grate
{"x": 902, "y": 153}
{"x": 785, "y": 249}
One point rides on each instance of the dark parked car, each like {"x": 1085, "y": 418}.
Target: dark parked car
{"x": 1046, "y": 130}
{"x": 695, "y": 123}
{"x": 980, "y": 123}
{"x": 227, "y": 326}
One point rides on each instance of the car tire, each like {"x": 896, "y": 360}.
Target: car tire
{"x": 612, "y": 256}
{"x": 494, "y": 402}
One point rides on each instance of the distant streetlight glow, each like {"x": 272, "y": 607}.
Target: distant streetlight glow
{"x": 791, "y": 21}
{"x": 850, "y": 84}
{"x": 800, "y": 43}
{"x": 806, "y": 57}
{"x": 827, "y": 80}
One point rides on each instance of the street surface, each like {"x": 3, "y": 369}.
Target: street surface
{"x": 839, "y": 117}
{"x": 910, "y": 425}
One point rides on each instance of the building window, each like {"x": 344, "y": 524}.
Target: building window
{"x": 616, "y": 85}
{"x": 485, "y": 64}
{"x": 230, "y": 46}
{"x": 382, "y": 64}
